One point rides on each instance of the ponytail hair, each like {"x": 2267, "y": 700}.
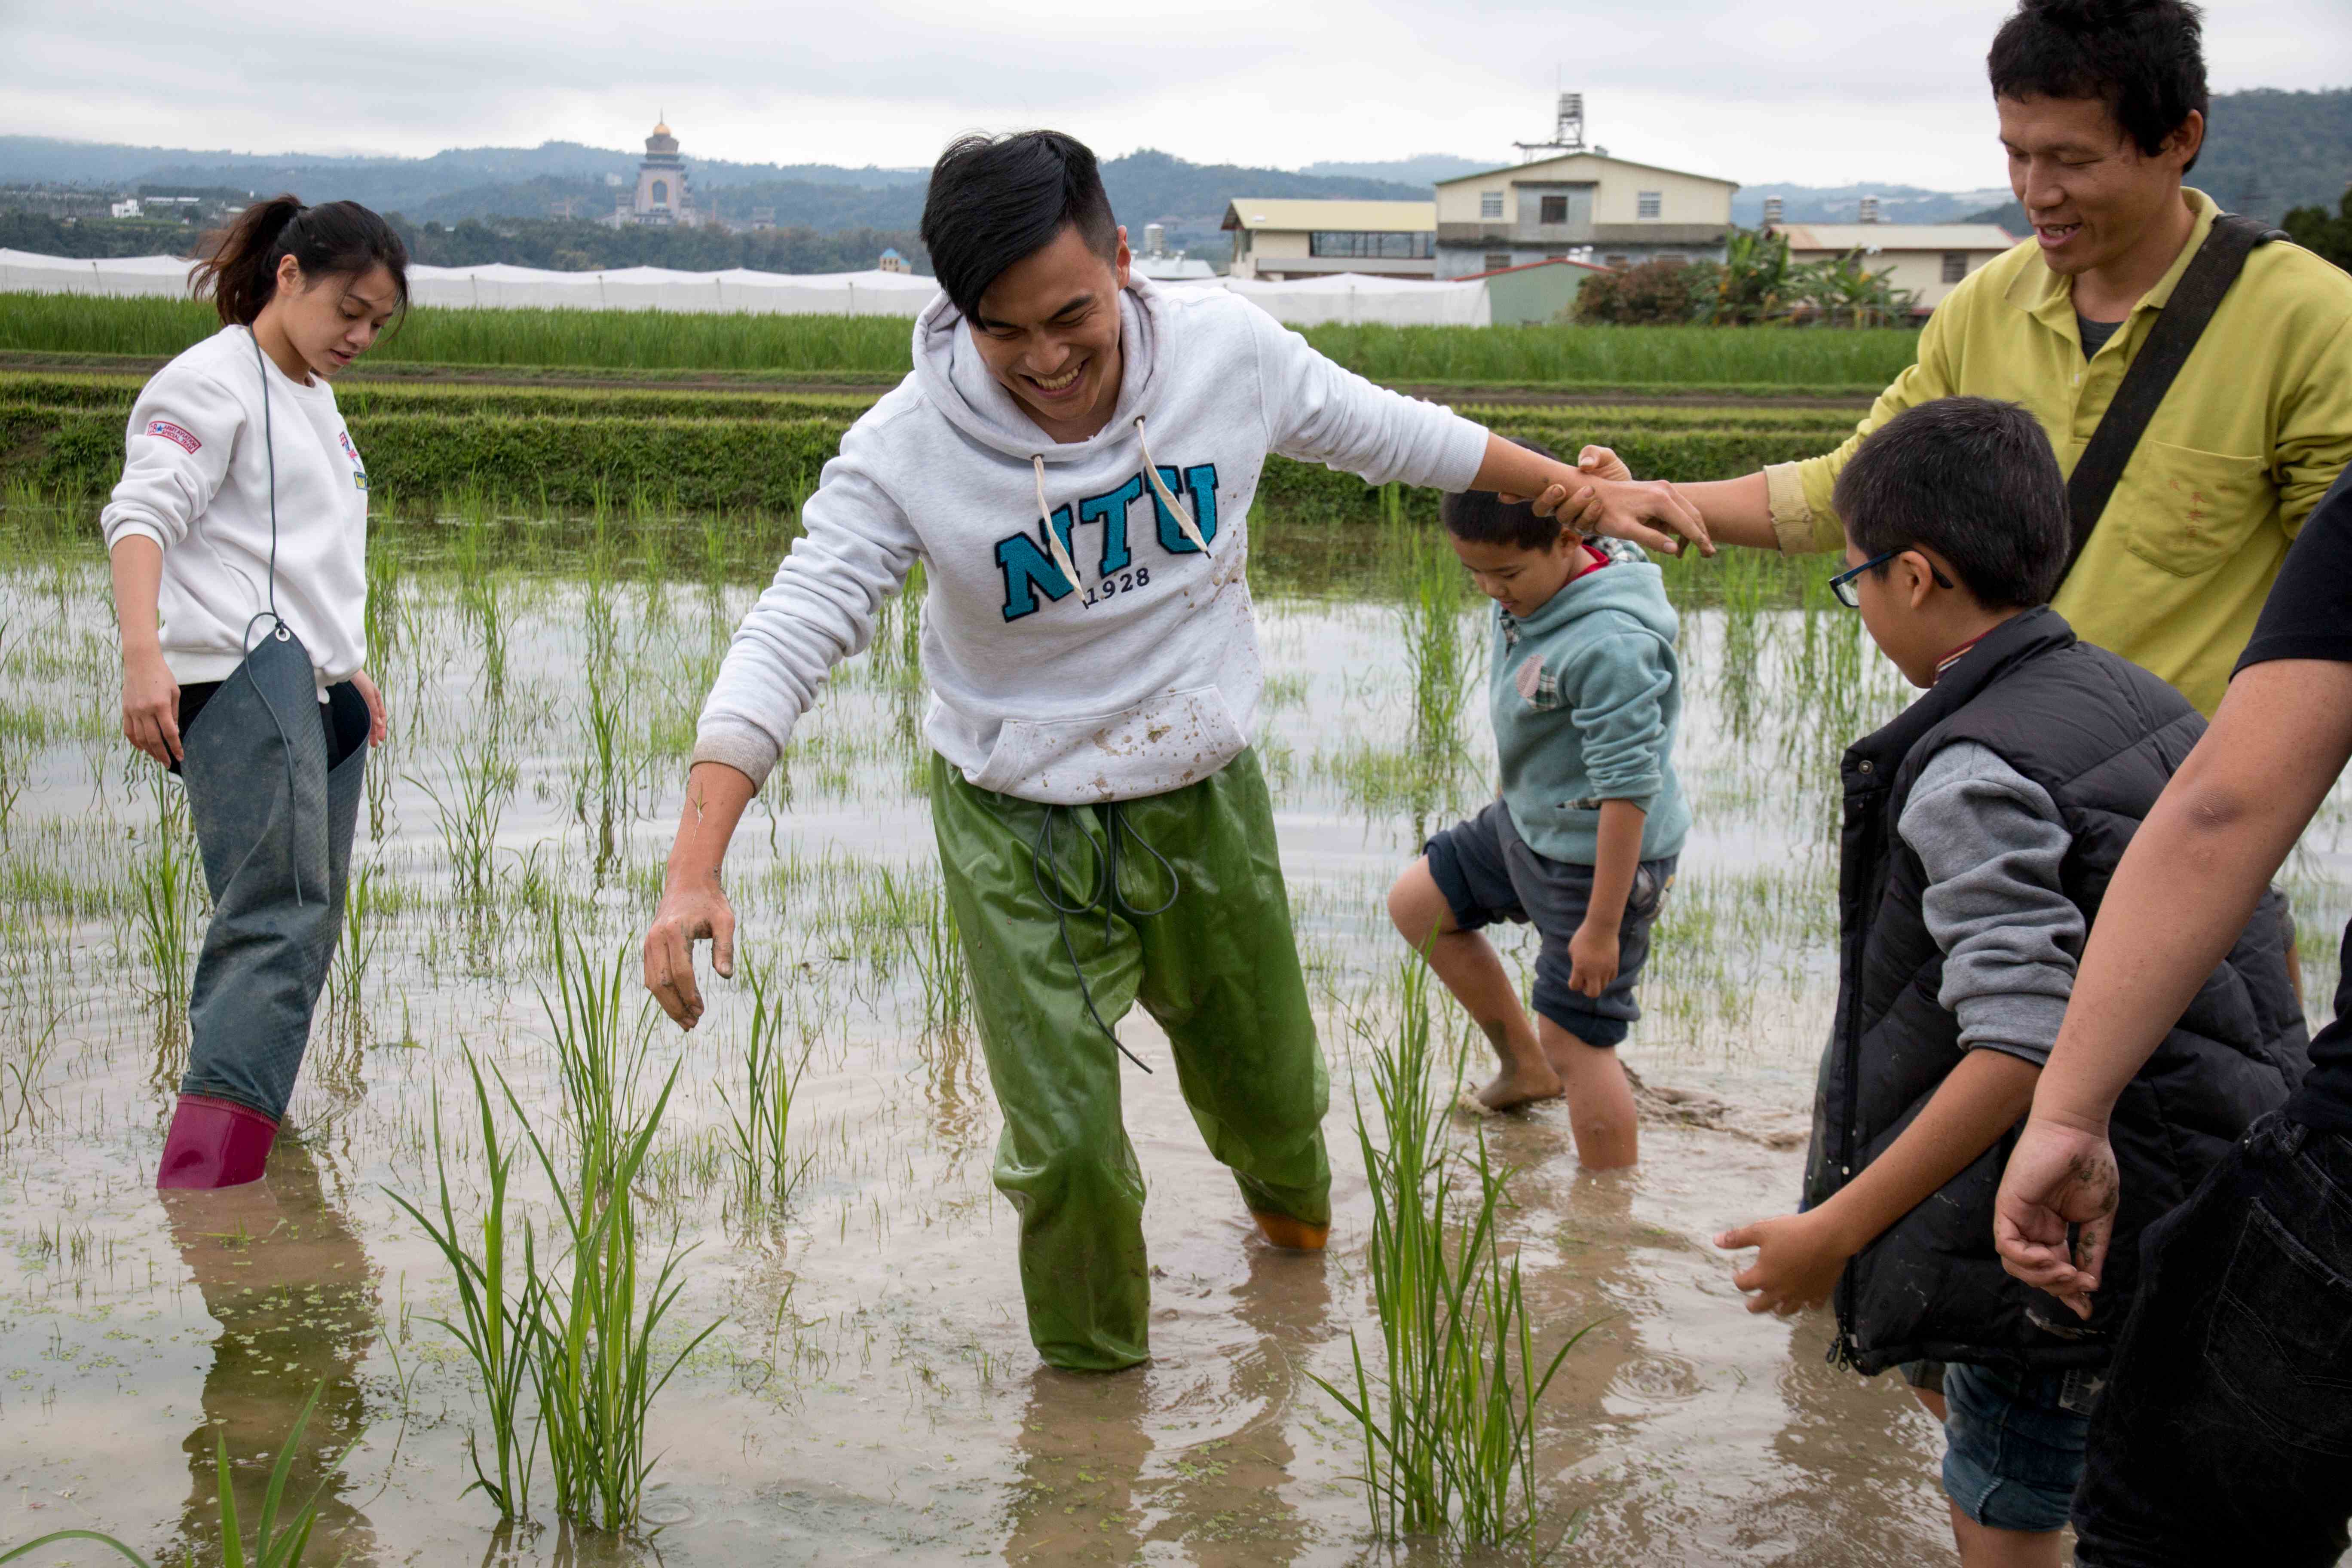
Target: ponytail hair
{"x": 239, "y": 265}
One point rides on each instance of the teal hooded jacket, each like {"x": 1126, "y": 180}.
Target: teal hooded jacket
{"x": 1586, "y": 695}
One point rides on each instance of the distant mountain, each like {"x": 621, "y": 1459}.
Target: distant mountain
{"x": 1426, "y": 169}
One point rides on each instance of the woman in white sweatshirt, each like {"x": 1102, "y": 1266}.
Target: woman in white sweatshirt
{"x": 1074, "y": 459}
{"x": 238, "y": 541}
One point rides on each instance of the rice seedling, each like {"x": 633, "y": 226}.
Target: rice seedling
{"x": 275, "y": 1544}
{"x": 940, "y": 962}
{"x": 767, "y": 1165}
{"x": 594, "y": 1364}
{"x": 496, "y": 1331}
{"x": 166, "y": 897}
{"x": 1447, "y": 1424}
{"x": 469, "y": 814}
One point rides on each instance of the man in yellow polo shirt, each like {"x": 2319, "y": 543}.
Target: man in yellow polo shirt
{"x": 2103, "y": 112}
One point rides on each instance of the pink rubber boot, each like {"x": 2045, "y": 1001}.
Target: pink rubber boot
{"x": 214, "y": 1143}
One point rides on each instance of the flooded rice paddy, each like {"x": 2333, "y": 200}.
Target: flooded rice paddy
{"x": 870, "y": 1392}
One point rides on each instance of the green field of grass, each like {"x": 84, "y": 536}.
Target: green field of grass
{"x": 1817, "y": 362}
{"x": 555, "y": 451}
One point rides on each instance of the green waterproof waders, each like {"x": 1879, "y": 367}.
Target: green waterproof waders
{"x": 1216, "y": 965}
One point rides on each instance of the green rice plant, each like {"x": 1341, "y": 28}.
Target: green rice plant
{"x": 477, "y": 786}
{"x": 767, "y": 1166}
{"x": 497, "y": 1328}
{"x": 166, "y": 897}
{"x": 598, "y": 1057}
{"x": 275, "y": 1544}
{"x": 356, "y": 949}
{"x": 940, "y": 962}
{"x": 1448, "y": 1424}
{"x": 593, "y": 1365}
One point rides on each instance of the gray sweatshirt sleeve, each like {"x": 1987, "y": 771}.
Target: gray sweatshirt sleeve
{"x": 1318, "y": 412}
{"x": 856, "y": 549}
{"x": 1992, "y": 842}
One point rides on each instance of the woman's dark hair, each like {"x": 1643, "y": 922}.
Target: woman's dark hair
{"x": 1482, "y": 516}
{"x": 2145, "y": 59}
{"x": 995, "y": 199}
{"x": 1972, "y": 479}
{"x": 240, "y": 269}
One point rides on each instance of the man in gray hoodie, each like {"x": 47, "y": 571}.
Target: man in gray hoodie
{"x": 1105, "y": 833}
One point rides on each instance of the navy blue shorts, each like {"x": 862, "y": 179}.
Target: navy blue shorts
{"x": 2013, "y": 1443}
{"x": 1487, "y": 873}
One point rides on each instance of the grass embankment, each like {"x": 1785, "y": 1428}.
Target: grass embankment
{"x": 1742, "y": 362}
{"x": 560, "y": 451}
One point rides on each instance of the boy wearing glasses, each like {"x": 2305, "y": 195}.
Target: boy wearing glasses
{"x": 1980, "y": 830}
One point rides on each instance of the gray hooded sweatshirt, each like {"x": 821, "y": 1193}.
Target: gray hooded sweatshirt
{"x": 1116, "y": 656}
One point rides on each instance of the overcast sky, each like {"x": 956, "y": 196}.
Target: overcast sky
{"x": 1806, "y": 90}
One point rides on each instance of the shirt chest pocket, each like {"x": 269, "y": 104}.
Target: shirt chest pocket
{"x": 1538, "y": 688}
{"x": 2186, "y": 511}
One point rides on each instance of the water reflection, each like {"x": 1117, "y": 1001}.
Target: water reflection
{"x": 1110, "y": 1465}
{"x": 284, "y": 1276}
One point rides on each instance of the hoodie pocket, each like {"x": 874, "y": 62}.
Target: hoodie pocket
{"x": 1164, "y": 744}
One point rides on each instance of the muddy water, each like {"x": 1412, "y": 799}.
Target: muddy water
{"x": 872, "y": 1394}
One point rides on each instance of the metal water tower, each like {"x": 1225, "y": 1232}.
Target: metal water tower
{"x": 1567, "y": 132}
{"x": 1869, "y": 212}
{"x": 1773, "y": 209}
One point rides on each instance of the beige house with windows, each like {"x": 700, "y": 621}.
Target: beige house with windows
{"x": 1580, "y": 206}
{"x": 1279, "y": 239}
{"x": 1928, "y": 259}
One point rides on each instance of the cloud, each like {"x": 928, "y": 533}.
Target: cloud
{"x": 1805, "y": 91}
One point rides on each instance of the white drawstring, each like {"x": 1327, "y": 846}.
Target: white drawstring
{"x": 1069, "y": 568}
{"x": 1184, "y": 522}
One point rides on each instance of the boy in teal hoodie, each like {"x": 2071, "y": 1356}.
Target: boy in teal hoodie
{"x": 1585, "y": 694}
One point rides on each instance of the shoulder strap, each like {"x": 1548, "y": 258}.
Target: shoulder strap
{"x": 2169, "y": 343}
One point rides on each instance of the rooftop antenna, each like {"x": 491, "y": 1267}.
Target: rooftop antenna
{"x": 1567, "y": 132}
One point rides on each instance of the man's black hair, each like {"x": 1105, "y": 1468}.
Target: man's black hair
{"x": 2145, "y": 59}
{"x": 1482, "y": 518}
{"x": 995, "y": 199}
{"x": 1972, "y": 479}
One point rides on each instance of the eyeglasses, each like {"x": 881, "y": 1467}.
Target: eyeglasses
{"x": 1842, "y": 586}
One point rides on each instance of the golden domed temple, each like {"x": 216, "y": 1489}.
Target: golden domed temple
{"x": 662, "y": 196}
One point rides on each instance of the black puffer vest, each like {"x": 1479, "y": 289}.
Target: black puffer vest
{"x": 2103, "y": 737}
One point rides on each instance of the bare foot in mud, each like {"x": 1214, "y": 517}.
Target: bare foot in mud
{"x": 1511, "y": 1089}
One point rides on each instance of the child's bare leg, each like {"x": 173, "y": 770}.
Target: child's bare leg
{"x": 1982, "y": 1546}
{"x": 1472, "y": 969}
{"x": 1600, "y": 1101}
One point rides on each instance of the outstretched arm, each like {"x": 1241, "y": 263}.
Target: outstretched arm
{"x": 693, "y": 899}
{"x": 2181, "y": 899}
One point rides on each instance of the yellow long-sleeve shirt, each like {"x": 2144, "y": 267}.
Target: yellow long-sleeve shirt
{"x": 2256, "y": 427}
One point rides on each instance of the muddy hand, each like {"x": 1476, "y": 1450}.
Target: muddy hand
{"x": 2059, "y": 1178}
{"x": 688, "y": 915}
{"x": 1637, "y": 509}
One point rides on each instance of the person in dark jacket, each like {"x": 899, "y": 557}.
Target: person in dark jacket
{"x": 1981, "y": 830}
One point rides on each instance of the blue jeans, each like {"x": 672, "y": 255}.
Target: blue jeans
{"x": 2013, "y": 1443}
{"x": 2225, "y": 1432}
{"x": 1487, "y": 873}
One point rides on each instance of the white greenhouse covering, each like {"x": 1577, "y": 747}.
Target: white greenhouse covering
{"x": 1343, "y": 297}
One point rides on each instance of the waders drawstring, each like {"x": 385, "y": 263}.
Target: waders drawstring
{"x": 285, "y": 741}
{"x": 1105, "y": 893}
